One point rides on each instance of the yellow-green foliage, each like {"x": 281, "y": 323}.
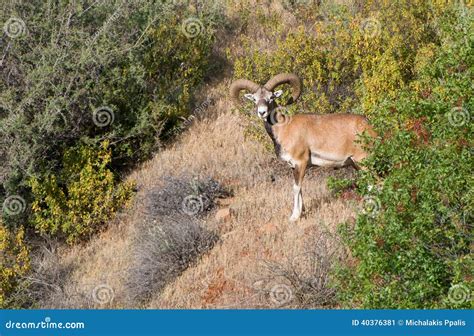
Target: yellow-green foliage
{"x": 307, "y": 55}
{"x": 350, "y": 60}
{"x": 386, "y": 58}
{"x": 81, "y": 198}
{"x": 177, "y": 65}
{"x": 14, "y": 262}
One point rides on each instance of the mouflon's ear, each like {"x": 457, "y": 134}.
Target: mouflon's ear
{"x": 277, "y": 93}
{"x": 250, "y": 97}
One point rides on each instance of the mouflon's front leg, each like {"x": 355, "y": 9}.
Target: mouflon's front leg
{"x": 298, "y": 174}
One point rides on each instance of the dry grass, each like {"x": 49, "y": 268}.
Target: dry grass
{"x": 233, "y": 273}
{"x": 87, "y": 276}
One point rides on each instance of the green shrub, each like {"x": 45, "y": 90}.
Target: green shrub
{"x": 78, "y": 201}
{"x": 125, "y": 72}
{"x": 344, "y": 65}
{"x": 14, "y": 264}
{"x": 411, "y": 249}
{"x": 339, "y": 185}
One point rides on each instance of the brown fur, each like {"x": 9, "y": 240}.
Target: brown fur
{"x": 321, "y": 140}
{"x": 334, "y": 134}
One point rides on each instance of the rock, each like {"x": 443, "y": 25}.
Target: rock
{"x": 223, "y": 215}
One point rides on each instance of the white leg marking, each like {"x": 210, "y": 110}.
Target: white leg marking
{"x": 286, "y": 157}
{"x": 298, "y": 203}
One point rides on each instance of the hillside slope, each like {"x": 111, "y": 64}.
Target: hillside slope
{"x": 255, "y": 241}
{"x": 67, "y": 191}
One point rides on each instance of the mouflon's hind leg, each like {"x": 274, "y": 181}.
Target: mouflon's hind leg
{"x": 298, "y": 174}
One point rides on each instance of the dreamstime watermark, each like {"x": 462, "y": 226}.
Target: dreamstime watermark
{"x": 203, "y": 106}
{"x": 281, "y": 294}
{"x": 103, "y": 294}
{"x": 14, "y": 205}
{"x": 371, "y": 206}
{"x": 47, "y": 323}
{"x": 192, "y": 27}
{"x": 459, "y": 294}
{"x": 193, "y": 204}
{"x": 103, "y": 116}
{"x": 458, "y": 116}
{"x": 198, "y": 111}
{"x": 111, "y": 19}
{"x": 280, "y": 116}
{"x": 14, "y": 27}
{"x": 370, "y": 27}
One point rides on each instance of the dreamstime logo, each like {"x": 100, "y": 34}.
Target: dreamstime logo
{"x": 204, "y": 106}
{"x": 14, "y": 205}
{"x": 459, "y": 294}
{"x": 192, "y": 27}
{"x": 198, "y": 111}
{"x": 279, "y": 116}
{"x": 103, "y": 116}
{"x": 103, "y": 294}
{"x": 458, "y": 116}
{"x": 14, "y": 27}
{"x": 281, "y": 294}
{"x": 192, "y": 205}
{"x": 370, "y": 27}
{"x": 371, "y": 206}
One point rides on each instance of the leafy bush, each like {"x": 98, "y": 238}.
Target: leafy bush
{"x": 74, "y": 73}
{"x": 412, "y": 248}
{"x": 14, "y": 262}
{"x": 349, "y": 58}
{"x": 78, "y": 201}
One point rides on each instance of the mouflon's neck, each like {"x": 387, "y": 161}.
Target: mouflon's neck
{"x": 273, "y": 118}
